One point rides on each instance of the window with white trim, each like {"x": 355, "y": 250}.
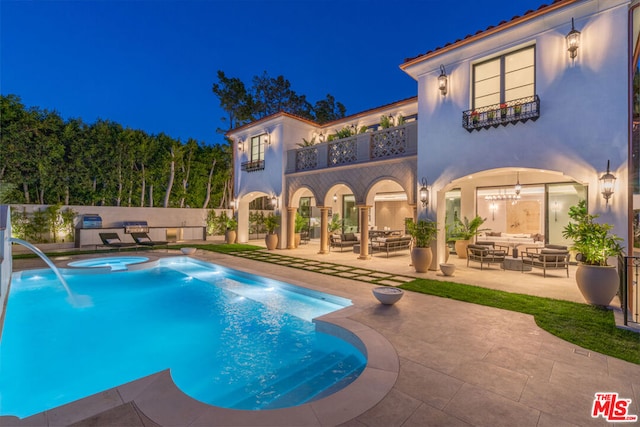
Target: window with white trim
{"x": 257, "y": 148}
{"x": 504, "y": 78}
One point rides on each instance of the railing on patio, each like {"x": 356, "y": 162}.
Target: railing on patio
{"x": 629, "y": 266}
{"x": 518, "y": 110}
{"x": 398, "y": 141}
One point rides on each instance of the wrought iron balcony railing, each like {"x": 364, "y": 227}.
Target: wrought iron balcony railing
{"x": 518, "y": 110}
{"x": 252, "y": 165}
{"x": 383, "y": 144}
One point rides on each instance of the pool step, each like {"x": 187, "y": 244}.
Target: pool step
{"x": 285, "y": 382}
{"x": 318, "y": 386}
{"x": 298, "y": 386}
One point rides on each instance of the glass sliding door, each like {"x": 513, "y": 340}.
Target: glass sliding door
{"x": 560, "y": 197}
{"x": 349, "y": 214}
{"x": 452, "y": 212}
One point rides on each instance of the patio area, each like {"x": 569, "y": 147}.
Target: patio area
{"x": 555, "y": 285}
{"x": 460, "y": 364}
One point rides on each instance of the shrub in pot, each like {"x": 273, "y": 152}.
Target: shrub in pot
{"x": 423, "y": 233}
{"x": 463, "y": 231}
{"x": 299, "y": 224}
{"x": 594, "y": 243}
{"x": 230, "y": 234}
{"x": 271, "y": 222}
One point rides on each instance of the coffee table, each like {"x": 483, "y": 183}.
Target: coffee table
{"x": 515, "y": 264}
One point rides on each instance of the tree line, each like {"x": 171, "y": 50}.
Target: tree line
{"x": 48, "y": 160}
{"x": 45, "y": 159}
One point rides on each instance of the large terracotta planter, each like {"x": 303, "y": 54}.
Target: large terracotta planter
{"x": 461, "y": 248}
{"x": 230, "y": 236}
{"x": 421, "y": 259}
{"x": 597, "y": 284}
{"x": 271, "y": 240}
{"x": 296, "y": 240}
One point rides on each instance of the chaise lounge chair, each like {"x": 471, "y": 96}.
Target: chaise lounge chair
{"x": 143, "y": 239}
{"x": 112, "y": 240}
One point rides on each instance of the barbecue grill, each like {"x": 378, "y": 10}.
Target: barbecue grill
{"x": 135, "y": 227}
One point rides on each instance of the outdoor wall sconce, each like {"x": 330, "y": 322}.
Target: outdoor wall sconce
{"x": 424, "y": 193}
{"x": 573, "y": 41}
{"x": 267, "y": 138}
{"x": 442, "y": 81}
{"x": 240, "y": 145}
{"x": 274, "y": 201}
{"x": 518, "y": 187}
{"x": 335, "y": 197}
{"x": 556, "y": 208}
{"x": 493, "y": 207}
{"x": 607, "y": 182}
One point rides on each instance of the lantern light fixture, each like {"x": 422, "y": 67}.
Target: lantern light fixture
{"x": 424, "y": 193}
{"x": 274, "y": 201}
{"x": 607, "y": 183}
{"x": 573, "y": 41}
{"x": 335, "y": 197}
{"x": 442, "y": 81}
{"x": 518, "y": 187}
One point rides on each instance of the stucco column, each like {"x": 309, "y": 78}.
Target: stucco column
{"x": 364, "y": 232}
{"x": 324, "y": 230}
{"x": 291, "y": 227}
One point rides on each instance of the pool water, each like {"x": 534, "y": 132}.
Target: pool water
{"x": 116, "y": 263}
{"x": 229, "y": 339}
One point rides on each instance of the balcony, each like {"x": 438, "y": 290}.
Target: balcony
{"x": 518, "y": 110}
{"x": 252, "y": 166}
{"x": 395, "y": 142}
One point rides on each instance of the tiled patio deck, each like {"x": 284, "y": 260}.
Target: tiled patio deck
{"x": 459, "y": 363}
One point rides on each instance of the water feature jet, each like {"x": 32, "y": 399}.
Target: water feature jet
{"x": 75, "y": 300}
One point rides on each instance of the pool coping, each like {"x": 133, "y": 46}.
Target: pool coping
{"x": 159, "y": 399}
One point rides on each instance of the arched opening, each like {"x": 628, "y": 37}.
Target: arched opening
{"x": 390, "y": 206}
{"x": 251, "y": 209}
{"x": 520, "y": 206}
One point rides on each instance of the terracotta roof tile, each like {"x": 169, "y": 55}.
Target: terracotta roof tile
{"x": 544, "y": 8}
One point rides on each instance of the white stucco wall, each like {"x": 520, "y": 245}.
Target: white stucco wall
{"x": 584, "y": 107}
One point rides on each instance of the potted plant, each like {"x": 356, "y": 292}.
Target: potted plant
{"x": 230, "y": 234}
{"x": 271, "y": 222}
{"x": 423, "y": 233}
{"x": 335, "y": 224}
{"x": 300, "y": 223}
{"x": 463, "y": 231}
{"x": 517, "y": 110}
{"x": 491, "y": 115}
{"x": 474, "y": 117}
{"x": 503, "y": 110}
{"x": 594, "y": 244}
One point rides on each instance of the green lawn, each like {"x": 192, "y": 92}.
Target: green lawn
{"x": 581, "y": 324}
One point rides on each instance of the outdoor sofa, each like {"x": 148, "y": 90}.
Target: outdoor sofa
{"x": 390, "y": 244}
{"x": 345, "y": 240}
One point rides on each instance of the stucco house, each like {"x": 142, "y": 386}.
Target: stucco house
{"x": 514, "y": 123}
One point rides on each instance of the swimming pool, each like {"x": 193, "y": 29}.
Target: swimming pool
{"x": 230, "y": 339}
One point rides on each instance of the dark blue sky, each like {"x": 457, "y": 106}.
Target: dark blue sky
{"x": 150, "y": 64}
